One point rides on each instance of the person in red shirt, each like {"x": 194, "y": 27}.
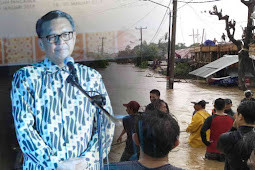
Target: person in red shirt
{"x": 218, "y": 123}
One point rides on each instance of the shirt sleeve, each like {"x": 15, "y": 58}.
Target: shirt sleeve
{"x": 91, "y": 154}
{"x": 205, "y": 127}
{"x": 195, "y": 123}
{"x": 227, "y": 140}
{"x": 23, "y": 110}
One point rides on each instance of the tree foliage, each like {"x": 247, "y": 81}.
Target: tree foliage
{"x": 149, "y": 51}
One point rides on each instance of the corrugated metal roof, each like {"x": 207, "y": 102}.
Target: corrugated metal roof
{"x": 215, "y": 66}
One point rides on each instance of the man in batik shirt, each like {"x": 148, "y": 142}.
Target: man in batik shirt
{"x": 54, "y": 122}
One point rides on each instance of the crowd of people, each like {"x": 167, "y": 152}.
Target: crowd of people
{"x": 55, "y": 124}
{"x": 228, "y": 136}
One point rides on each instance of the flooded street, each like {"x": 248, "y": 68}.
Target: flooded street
{"x": 124, "y": 83}
{"x": 127, "y": 82}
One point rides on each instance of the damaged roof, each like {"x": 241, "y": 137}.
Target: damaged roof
{"x": 215, "y": 66}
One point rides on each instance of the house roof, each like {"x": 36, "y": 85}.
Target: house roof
{"x": 215, "y": 66}
{"x": 183, "y": 53}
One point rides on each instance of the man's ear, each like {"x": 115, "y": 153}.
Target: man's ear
{"x": 177, "y": 142}
{"x": 135, "y": 139}
{"x": 41, "y": 44}
{"x": 74, "y": 36}
{"x": 241, "y": 118}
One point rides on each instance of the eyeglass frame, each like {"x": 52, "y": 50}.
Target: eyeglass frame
{"x": 58, "y": 36}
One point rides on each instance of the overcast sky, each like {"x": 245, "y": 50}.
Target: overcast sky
{"x": 117, "y": 15}
{"x": 195, "y": 16}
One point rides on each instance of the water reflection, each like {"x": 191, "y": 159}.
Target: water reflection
{"x": 126, "y": 82}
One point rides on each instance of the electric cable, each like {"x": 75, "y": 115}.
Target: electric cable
{"x": 156, "y": 34}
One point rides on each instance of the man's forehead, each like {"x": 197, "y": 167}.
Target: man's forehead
{"x": 56, "y": 26}
{"x": 153, "y": 94}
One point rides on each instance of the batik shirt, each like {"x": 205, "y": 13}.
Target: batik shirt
{"x": 54, "y": 121}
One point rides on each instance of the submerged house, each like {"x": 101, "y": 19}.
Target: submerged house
{"x": 223, "y": 71}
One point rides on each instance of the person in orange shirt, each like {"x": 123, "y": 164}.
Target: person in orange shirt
{"x": 194, "y": 127}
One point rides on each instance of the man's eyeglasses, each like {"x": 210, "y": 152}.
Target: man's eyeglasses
{"x": 66, "y": 36}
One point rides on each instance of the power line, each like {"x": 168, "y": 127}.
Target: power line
{"x": 99, "y": 11}
{"x": 156, "y": 34}
{"x": 139, "y": 20}
{"x": 135, "y": 23}
{"x": 185, "y": 4}
{"x": 181, "y": 29}
{"x": 202, "y": 19}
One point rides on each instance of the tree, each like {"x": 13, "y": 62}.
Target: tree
{"x": 245, "y": 63}
{"x": 150, "y": 51}
{"x": 180, "y": 46}
{"x": 194, "y": 45}
{"x": 126, "y": 53}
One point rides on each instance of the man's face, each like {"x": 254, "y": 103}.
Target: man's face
{"x": 228, "y": 106}
{"x": 61, "y": 49}
{"x": 197, "y": 107}
{"x": 129, "y": 110}
{"x": 153, "y": 97}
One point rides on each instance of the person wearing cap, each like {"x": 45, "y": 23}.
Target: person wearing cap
{"x": 248, "y": 96}
{"x": 196, "y": 108}
{"x": 218, "y": 124}
{"x": 131, "y": 150}
{"x": 194, "y": 127}
{"x": 228, "y": 110}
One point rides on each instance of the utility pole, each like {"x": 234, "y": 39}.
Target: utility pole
{"x": 195, "y": 36}
{"x": 102, "y": 49}
{"x": 168, "y": 44}
{"x": 139, "y": 60}
{"x": 168, "y": 51}
{"x": 172, "y": 57}
{"x": 203, "y": 36}
{"x": 98, "y": 48}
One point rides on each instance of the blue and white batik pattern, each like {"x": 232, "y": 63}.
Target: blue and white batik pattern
{"x": 54, "y": 121}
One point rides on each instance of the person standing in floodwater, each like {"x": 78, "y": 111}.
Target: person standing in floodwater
{"x": 131, "y": 150}
{"x": 194, "y": 127}
{"x": 218, "y": 124}
{"x": 248, "y": 96}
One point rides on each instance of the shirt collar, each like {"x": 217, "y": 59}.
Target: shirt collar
{"x": 50, "y": 67}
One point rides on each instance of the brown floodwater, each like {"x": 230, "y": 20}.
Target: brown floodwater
{"x": 126, "y": 82}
